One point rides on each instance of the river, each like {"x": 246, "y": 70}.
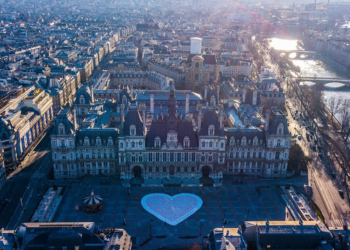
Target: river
{"x": 311, "y": 68}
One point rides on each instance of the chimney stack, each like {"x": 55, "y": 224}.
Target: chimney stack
{"x": 221, "y": 115}
{"x": 75, "y": 126}
{"x": 92, "y": 93}
{"x": 218, "y": 93}
{"x": 143, "y": 108}
{"x": 205, "y": 92}
{"x": 199, "y": 117}
{"x": 244, "y": 94}
{"x": 152, "y": 103}
{"x": 267, "y": 120}
{"x": 255, "y": 96}
{"x": 123, "y": 117}
{"x": 187, "y": 108}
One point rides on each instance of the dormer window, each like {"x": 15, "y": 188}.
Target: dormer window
{"x": 121, "y": 145}
{"x": 232, "y": 141}
{"x": 82, "y": 99}
{"x": 255, "y": 141}
{"x": 197, "y": 65}
{"x": 211, "y": 144}
{"x": 211, "y": 130}
{"x": 132, "y": 130}
{"x": 280, "y": 129}
{"x": 278, "y": 143}
{"x": 124, "y": 100}
{"x": 98, "y": 141}
{"x": 186, "y": 142}
{"x": 244, "y": 141}
{"x": 212, "y": 100}
{"x": 61, "y": 129}
{"x": 86, "y": 141}
{"x": 157, "y": 142}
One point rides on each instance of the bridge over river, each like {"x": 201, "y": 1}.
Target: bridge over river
{"x": 323, "y": 80}
{"x": 300, "y": 54}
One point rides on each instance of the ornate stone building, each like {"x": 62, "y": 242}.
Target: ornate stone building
{"x": 200, "y": 70}
{"x": 168, "y": 147}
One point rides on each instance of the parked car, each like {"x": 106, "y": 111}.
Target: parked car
{"x": 299, "y": 137}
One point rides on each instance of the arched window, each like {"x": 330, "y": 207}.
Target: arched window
{"x": 278, "y": 143}
{"x": 124, "y": 100}
{"x": 211, "y": 129}
{"x": 121, "y": 145}
{"x": 280, "y": 129}
{"x": 212, "y": 100}
{"x": 86, "y": 141}
{"x": 197, "y": 65}
{"x": 232, "y": 141}
{"x": 98, "y": 141}
{"x": 244, "y": 141}
{"x": 132, "y": 130}
{"x": 196, "y": 77}
{"x": 157, "y": 142}
{"x": 61, "y": 129}
{"x": 255, "y": 141}
{"x": 203, "y": 144}
{"x": 82, "y": 99}
{"x": 186, "y": 143}
{"x": 210, "y": 144}
{"x": 110, "y": 141}
{"x": 133, "y": 144}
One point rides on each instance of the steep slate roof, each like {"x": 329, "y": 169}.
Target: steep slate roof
{"x": 239, "y": 133}
{"x": 133, "y": 118}
{"x": 66, "y": 118}
{"x": 210, "y": 118}
{"x": 92, "y": 134}
{"x": 159, "y": 128}
{"x": 277, "y": 117}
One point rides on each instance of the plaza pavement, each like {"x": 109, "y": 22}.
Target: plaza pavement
{"x": 241, "y": 202}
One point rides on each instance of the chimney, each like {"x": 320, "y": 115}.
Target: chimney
{"x": 205, "y": 92}
{"x": 122, "y": 112}
{"x": 244, "y": 94}
{"x": 267, "y": 120}
{"x": 143, "y": 108}
{"x": 92, "y": 93}
{"x": 75, "y": 126}
{"x": 152, "y": 103}
{"x": 199, "y": 117}
{"x": 187, "y": 108}
{"x": 221, "y": 115}
{"x": 218, "y": 93}
{"x": 255, "y": 96}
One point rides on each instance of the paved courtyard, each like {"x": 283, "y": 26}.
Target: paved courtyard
{"x": 239, "y": 201}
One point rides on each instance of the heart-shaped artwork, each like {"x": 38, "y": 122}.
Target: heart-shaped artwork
{"x": 171, "y": 210}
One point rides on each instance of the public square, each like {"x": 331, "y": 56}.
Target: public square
{"x": 235, "y": 202}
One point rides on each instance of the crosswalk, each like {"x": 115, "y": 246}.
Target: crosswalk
{"x": 339, "y": 223}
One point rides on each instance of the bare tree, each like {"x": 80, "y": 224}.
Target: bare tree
{"x": 344, "y": 114}
{"x": 334, "y": 103}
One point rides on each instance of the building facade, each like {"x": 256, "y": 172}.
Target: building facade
{"x": 21, "y": 126}
{"x": 169, "y": 145}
